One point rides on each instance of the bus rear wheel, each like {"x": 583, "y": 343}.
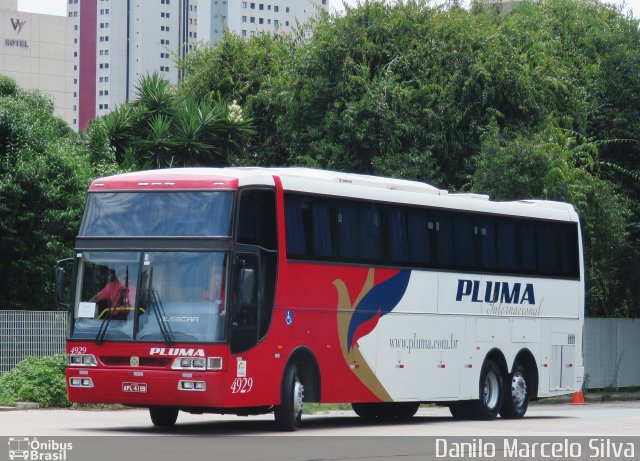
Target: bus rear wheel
{"x": 516, "y": 394}
{"x": 491, "y": 391}
{"x": 288, "y": 414}
{"x": 163, "y": 416}
{"x": 460, "y": 410}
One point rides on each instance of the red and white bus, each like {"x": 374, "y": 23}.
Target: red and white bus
{"x": 252, "y": 290}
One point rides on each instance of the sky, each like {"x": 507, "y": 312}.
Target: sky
{"x": 59, "y": 7}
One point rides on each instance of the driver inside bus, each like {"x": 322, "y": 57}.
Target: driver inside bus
{"x": 118, "y": 295}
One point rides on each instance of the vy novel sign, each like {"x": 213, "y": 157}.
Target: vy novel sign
{"x": 17, "y": 25}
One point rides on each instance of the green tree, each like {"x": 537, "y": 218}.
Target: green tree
{"x": 554, "y": 164}
{"x": 44, "y": 173}
{"x": 511, "y": 104}
{"x": 158, "y": 130}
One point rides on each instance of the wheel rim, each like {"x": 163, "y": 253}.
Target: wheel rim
{"x": 491, "y": 391}
{"x": 518, "y": 389}
{"x": 298, "y": 396}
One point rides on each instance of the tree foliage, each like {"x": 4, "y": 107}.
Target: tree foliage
{"x": 44, "y": 172}
{"x": 158, "y": 130}
{"x": 541, "y": 102}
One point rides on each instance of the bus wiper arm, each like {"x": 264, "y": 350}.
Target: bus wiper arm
{"x": 158, "y": 309}
{"x": 102, "y": 331}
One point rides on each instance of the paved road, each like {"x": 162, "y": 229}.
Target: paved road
{"x": 128, "y": 435}
{"x": 596, "y": 419}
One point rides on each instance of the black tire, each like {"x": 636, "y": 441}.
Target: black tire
{"x": 491, "y": 392}
{"x": 403, "y": 410}
{"x": 516, "y": 394}
{"x": 163, "y": 416}
{"x": 460, "y": 410}
{"x": 386, "y": 410}
{"x": 288, "y": 414}
{"x": 366, "y": 410}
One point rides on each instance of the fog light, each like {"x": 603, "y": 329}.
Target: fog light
{"x": 199, "y": 363}
{"x": 192, "y": 386}
{"x": 80, "y": 382}
{"x": 185, "y": 363}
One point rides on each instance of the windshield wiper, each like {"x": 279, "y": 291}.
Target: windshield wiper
{"x": 161, "y": 317}
{"x": 102, "y": 331}
{"x": 158, "y": 310}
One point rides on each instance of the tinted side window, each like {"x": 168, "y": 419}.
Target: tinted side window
{"x": 359, "y": 230}
{"x": 528, "y": 263}
{"x": 308, "y": 226}
{"x": 547, "y": 248}
{"x": 507, "y": 248}
{"x": 464, "y": 236}
{"x": 486, "y": 234}
{"x": 568, "y": 242}
{"x": 444, "y": 238}
{"x": 257, "y": 218}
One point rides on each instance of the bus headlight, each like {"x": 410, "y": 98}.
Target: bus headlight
{"x": 187, "y": 363}
{"x": 82, "y": 360}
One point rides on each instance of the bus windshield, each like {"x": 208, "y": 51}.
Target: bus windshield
{"x": 150, "y": 296}
{"x": 157, "y": 214}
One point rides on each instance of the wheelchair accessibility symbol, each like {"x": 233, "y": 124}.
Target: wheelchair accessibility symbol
{"x": 289, "y": 318}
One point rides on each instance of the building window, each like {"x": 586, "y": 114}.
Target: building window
{"x": 276, "y": 8}
{"x": 244, "y": 19}
{"x": 261, "y": 6}
{"x": 244, "y": 4}
{"x": 253, "y": 6}
{"x": 261, "y": 21}
{"x": 252, "y": 20}
{"x": 244, "y": 32}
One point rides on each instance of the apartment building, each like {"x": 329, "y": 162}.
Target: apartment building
{"x": 253, "y": 17}
{"x": 119, "y": 41}
{"x": 37, "y": 51}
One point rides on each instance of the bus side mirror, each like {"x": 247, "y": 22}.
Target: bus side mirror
{"x": 59, "y": 282}
{"x": 247, "y": 284}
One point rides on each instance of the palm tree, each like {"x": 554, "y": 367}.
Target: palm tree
{"x": 158, "y": 131}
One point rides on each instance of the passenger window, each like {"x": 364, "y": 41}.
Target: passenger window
{"x": 257, "y": 218}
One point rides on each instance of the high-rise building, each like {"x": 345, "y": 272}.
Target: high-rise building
{"x": 119, "y": 41}
{"x": 36, "y": 50}
{"x": 253, "y": 17}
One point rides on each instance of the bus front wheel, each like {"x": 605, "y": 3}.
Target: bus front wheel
{"x": 516, "y": 394}
{"x": 163, "y": 416}
{"x": 289, "y": 413}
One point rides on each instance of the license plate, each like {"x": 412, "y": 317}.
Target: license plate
{"x": 134, "y": 387}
